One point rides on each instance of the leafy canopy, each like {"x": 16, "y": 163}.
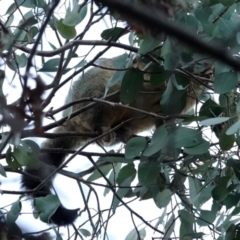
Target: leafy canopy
{"x": 189, "y": 167}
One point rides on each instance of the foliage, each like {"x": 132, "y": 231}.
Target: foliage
{"x": 189, "y": 167}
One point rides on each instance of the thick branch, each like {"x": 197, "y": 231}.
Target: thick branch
{"x": 145, "y": 16}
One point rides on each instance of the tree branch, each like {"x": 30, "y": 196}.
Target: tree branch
{"x": 157, "y": 22}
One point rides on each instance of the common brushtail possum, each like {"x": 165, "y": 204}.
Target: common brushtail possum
{"x": 101, "y": 118}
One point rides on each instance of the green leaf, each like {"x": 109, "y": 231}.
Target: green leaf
{"x": 231, "y": 200}
{"x": 31, "y": 3}
{"x": 187, "y": 216}
{"x": 28, "y": 21}
{"x": 73, "y": 18}
{"x": 220, "y": 67}
{"x": 186, "y": 137}
{"x": 14, "y": 212}
{"x": 226, "y": 142}
{"x": 80, "y": 64}
{"x": 213, "y": 121}
{"x": 231, "y": 232}
{"x": 163, "y": 198}
{"x": 52, "y": 65}
{"x": 169, "y": 227}
{"x": 227, "y": 3}
{"x": 126, "y": 172}
{"x": 2, "y": 171}
{"x": 186, "y": 227}
{"x": 121, "y": 192}
{"x": 148, "y": 44}
{"x": 134, "y": 147}
{"x": 220, "y": 192}
{"x": 46, "y": 206}
{"x": 195, "y": 187}
{"x": 116, "y": 78}
{"x": 203, "y": 168}
{"x": 159, "y": 75}
{"x": 19, "y": 61}
{"x": 206, "y": 218}
{"x": 205, "y": 194}
{"x": 227, "y": 27}
{"x": 26, "y": 153}
{"x": 2, "y": 77}
{"x": 11, "y": 160}
{"x": 148, "y": 172}
{"x": 159, "y": 140}
{"x": 113, "y": 34}
{"x": 171, "y": 61}
{"x": 203, "y": 14}
{"x": 33, "y": 31}
{"x": 173, "y": 100}
{"x": 210, "y": 109}
{"x": 84, "y": 232}
{"x": 26, "y": 3}
{"x": 117, "y": 160}
{"x": 112, "y": 177}
{"x": 67, "y": 32}
{"x": 11, "y": 8}
{"x": 189, "y": 22}
{"x": 96, "y": 174}
{"x": 133, "y": 234}
{"x": 225, "y": 82}
{"x": 201, "y": 148}
{"x": 235, "y": 128}
{"x": 235, "y": 164}
{"x": 35, "y": 149}
{"x": 40, "y": 3}
{"x": 236, "y": 211}
{"x": 119, "y": 62}
{"x": 131, "y": 84}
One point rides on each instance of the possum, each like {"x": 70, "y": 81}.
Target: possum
{"x": 100, "y": 118}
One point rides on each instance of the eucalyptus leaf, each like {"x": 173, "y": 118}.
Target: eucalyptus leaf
{"x": 148, "y": 44}
{"x": 213, "y": 121}
{"x": 163, "y": 198}
{"x": 67, "y": 32}
{"x": 225, "y": 82}
{"x": 134, "y": 147}
{"x": 235, "y": 128}
{"x": 113, "y": 34}
{"x": 14, "y": 212}
{"x": 46, "y": 206}
{"x": 128, "y": 171}
{"x": 147, "y": 172}
{"x": 73, "y": 17}
{"x": 131, "y": 85}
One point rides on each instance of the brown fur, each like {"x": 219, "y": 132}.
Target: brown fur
{"x": 101, "y": 118}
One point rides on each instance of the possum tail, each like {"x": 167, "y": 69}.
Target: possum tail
{"x": 33, "y": 177}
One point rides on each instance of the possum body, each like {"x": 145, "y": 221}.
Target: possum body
{"x": 100, "y": 118}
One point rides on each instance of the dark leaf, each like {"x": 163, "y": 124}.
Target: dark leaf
{"x": 46, "y": 206}
{"x": 131, "y": 84}
{"x": 134, "y": 147}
